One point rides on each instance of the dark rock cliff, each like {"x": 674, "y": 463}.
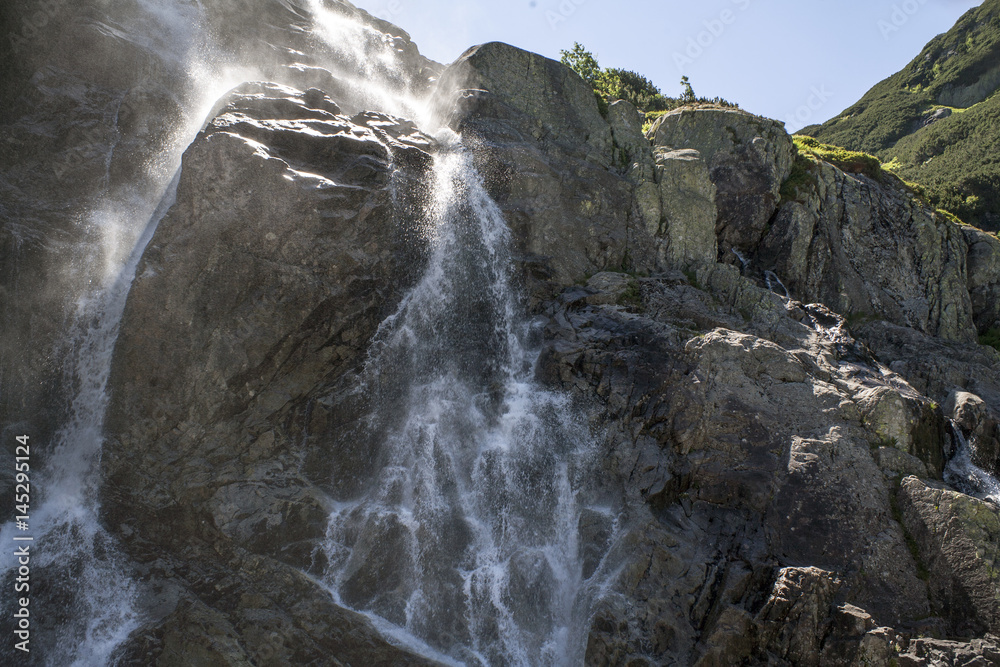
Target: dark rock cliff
{"x": 778, "y": 387}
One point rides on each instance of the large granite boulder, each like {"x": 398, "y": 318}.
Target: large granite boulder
{"x": 544, "y": 157}
{"x": 294, "y": 234}
{"x": 748, "y": 158}
{"x": 958, "y": 540}
{"x": 583, "y": 193}
{"x": 561, "y": 107}
{"x": 97, "y": 101}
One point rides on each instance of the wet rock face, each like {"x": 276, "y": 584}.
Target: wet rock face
{"x": 559, "y": 104}
{"x": 544, "y": 156}
{"x": 96, "y": 101}
{"x": 583, "y": 193}
{"x": 289, "y": 243}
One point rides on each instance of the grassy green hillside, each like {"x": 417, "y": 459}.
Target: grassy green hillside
{"x": 937, "y": 122}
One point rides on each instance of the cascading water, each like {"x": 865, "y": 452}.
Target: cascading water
{"x": 773, "y": 283}
{"x": 467, "y": 538}
{"x": 965, "y": 475}
{"x": 72, "y": 553}
{"x": 82, "y": 594}
{"x": 477, "y": 501}
{"x": 744, "y": 262}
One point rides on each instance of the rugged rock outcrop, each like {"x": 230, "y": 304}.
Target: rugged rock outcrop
{"x": 548, "y": 170}
{"x": 983, "y": 266}
{"x": 957, "y": 538}
{"x": 870, "y": 249}
{"x": 775, "y": 476}
{"x": 98, "y": 100}
{"x": 748, "y": 157}
{"x": 291, "y": 240}
{"x": 750, "y": 433}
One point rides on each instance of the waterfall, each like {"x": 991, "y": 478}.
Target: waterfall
{"x": 773, "y": 282}
{"x": 70, "y": 549}
{"x": 966, "y": 476}
{"x": 83, "y": 600}
{"x": 477, "y": 501}
{"x": 744, "y": 262}
{"x": 467, "y": 539}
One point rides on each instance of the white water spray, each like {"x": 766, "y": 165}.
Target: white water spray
{"x": 965, "y": 475}
{"x": 69, "y": 544}
{"x": 477, "y": 507}
{"x": 773, "y": 283}
{"x": 744, "y": 262}
{"x": 479, "y": 496}
{"x": 84, "y": 601}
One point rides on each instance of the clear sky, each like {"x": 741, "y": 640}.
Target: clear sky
{"x": 777, "y": 58}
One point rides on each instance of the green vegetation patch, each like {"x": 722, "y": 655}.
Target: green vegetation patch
{"x": 800, "y": 180}
{"x": 612, "y": 83}
{"x": 853, "y": 162}
{"x": 991, "y": 338}
{"x": 948, "y": 215}
{"x": 954, "y": 158}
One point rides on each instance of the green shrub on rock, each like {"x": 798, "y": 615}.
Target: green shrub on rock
{"x": 612, "y": 83}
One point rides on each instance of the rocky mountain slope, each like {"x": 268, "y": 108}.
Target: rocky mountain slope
{"x": 793, "y": 426}
{"x": 779, "y": 474}
{"x": 937, "y": 121}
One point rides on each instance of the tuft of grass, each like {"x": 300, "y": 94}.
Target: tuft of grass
{"x": 919, "y": 191}
{"x": 853, "y": 162}
{"x": 892, "y": 165}
{"x": 631, "y": 297}
{"x": 800, "y": 179}
{"x": 948, "y": 215}
{"x": 991, "y": 338}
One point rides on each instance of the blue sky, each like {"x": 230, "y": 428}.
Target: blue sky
{"x": 800, "y": 61}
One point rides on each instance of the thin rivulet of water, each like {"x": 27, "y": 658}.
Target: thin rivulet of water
{"x": 963, "y": 474}
{"x": 476, "y": 510}
{"x": 73, "y": 556}
{"x": 83, "y": 599}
